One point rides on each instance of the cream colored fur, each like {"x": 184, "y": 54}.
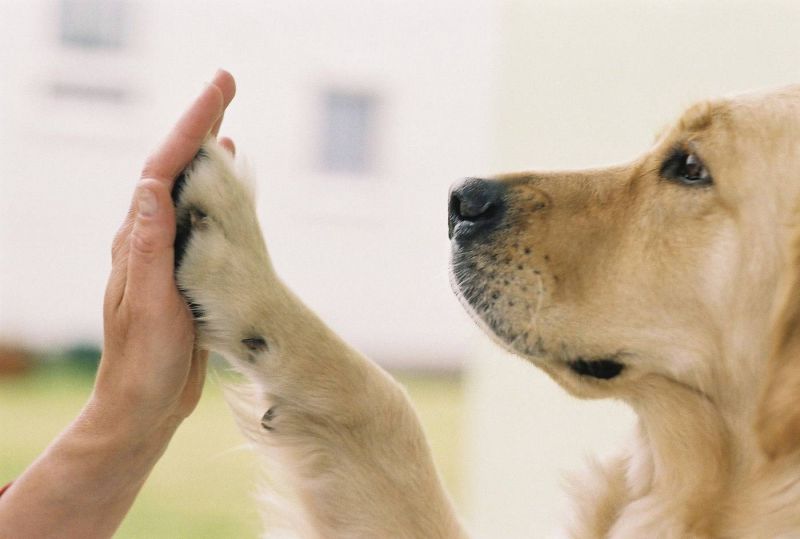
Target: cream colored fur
{"x": 694, "y": 290}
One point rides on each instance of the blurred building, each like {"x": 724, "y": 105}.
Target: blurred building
{"x": 357, "y": 115}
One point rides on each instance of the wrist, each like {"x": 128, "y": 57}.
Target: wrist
{"x": 85, "y": 481}
{"x": 112, "y": 454}
{"x": 125, "y": 430}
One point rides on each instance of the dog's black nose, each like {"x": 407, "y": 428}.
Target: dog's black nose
{"x": 476, "y": 208}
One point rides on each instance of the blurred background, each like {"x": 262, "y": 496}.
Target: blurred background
{"x": 356, "y": 115}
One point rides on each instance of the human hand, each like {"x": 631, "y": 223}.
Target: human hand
{"x": 151, "y": 376}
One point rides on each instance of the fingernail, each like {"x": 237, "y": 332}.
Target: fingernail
{"x": 213, "y": 81}
{"x": 146, "y": 202}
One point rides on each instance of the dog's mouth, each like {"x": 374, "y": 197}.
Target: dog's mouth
{"x": 471, "y": 290}
{"x": 500, "y": 304}
{"x": 601, "y": 369}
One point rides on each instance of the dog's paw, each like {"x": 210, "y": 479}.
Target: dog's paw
{"x": 221, "y": 263}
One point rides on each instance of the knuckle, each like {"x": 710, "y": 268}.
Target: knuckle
{"x": 150, "y": 183}
{"x": 145, "y": 245}
{"x": 149, "y": 166}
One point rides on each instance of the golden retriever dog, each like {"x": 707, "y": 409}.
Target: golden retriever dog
{"x": 671, "y": 283}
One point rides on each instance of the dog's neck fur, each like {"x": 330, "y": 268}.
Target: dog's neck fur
{"x": 689, "y": 478}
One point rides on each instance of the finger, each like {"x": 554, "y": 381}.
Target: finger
{"x": 115, "y": 289}
{"x": 217, "y": 125}
{"x": 119, "y": 245}
{"x": 227, "y": 85}
{"x": 119, "y": 263}
{"x": 185, "y": 139}
{"x": 149, "y": 278}
{"x": 228, "y": 144}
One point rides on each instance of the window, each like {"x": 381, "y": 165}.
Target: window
{"x": 87, "y": 92}
{"x": 92, "y": 61}
{"x": 93, "y": 24}
{"x": 349, "y": 125}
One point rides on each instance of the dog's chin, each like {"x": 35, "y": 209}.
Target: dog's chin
{"x": 529, "y": 344}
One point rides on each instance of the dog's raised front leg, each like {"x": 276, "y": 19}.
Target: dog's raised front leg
{"x": 336, "y": 425}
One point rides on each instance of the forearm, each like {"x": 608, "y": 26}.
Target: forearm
{"x": 349, "y": 433}
{"x": 86, "y": 480}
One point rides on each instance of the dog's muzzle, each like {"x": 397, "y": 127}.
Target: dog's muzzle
{"x": 476, "y": 208}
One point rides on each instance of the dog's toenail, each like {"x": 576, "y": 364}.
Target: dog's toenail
{"x": 197, "y": 311}
{"x": 256, "y": 344}
{"x": 268, "y": 416}
{"x": 198, "y": 218}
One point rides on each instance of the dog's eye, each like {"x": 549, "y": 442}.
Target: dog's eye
{"x": 686, "y": 168}
{"x": 694, "y": 171}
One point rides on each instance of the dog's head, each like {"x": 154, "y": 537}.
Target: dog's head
{"x": 667, "y": 267}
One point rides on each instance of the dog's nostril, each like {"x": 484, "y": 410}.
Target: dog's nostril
{"x": 475, "y": 205}
{"x": 470, "y": 211}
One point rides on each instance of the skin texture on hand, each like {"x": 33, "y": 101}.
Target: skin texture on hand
{"x": 149, "y": 357}
{"x": 150, "y": 377}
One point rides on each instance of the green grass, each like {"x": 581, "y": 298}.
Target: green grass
{"x": 202, "y": 487}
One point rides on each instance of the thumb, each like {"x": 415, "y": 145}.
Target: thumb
{"x": 150, "y": 261}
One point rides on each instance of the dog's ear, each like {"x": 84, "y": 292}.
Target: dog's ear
{"x": 778, "y": 421}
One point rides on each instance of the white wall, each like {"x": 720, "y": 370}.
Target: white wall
{"x": 368, "y": 253}
{"x": 66, "y": 171}
{"x": 585, "y": 83}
